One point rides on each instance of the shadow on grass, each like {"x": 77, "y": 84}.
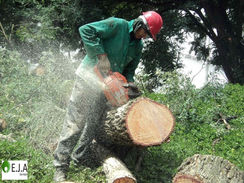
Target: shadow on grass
{"x": 157, "y": 166}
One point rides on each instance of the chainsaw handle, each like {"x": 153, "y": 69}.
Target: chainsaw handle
{"x": 100, "y": 74}
{"x": 130, "y": 85}
{"x": 133, "y": 90}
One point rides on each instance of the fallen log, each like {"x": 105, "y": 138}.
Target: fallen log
{"x": 208, "y": 169}
{"x": 140, "y": 122}
{"x": 114, "y": 169}
{"x": 137, "y": 124}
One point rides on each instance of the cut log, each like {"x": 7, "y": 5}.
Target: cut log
{"x": 141, "y": 122}
{"x": 114, "y": 169}
{"x": 208, "y": 169}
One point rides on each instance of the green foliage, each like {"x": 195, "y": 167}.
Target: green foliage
{"x": 39, "y": 164}
{"x": 222, "y": 23}
{"x": 32, "y": 103}
{"x": 34, "y": 108}
{"x": 163, "y": 54}
{"x": 85, "y": 174}
{"x": 199, "y": 127}
{"x": 39, "y": 25}
{"x": 31, "y": 26}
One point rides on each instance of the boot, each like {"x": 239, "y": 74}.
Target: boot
{"x": 60, "y": 175}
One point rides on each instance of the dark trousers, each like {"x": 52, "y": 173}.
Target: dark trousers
{"x": 86, "y": 106}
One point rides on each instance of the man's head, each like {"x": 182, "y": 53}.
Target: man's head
{"x": 148, "y": 24}
{"x": 141, "y": 33}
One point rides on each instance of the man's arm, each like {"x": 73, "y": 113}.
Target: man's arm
{"x": 92, "y": 35}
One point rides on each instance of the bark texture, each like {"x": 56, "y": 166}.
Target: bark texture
{"x": 208, "y": 169}
{"x": 114, "y": 169}
{"x": 137, "y": 124}
{"x": 140, "y": 122}
{"x": 112, "y": 129}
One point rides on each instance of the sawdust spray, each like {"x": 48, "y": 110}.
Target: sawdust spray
{"x": 48, "y": 112}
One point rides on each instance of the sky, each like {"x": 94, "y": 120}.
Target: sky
{"x": 199, "y": 72}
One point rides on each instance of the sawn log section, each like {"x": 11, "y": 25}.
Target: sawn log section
{"x": 141, "y": 122}
{"x": 208, "y": 169}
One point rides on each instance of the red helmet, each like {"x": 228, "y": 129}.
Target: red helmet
{"x": 154, "y": 22}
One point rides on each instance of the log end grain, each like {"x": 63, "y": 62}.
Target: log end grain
{"x": 149, "y": 123}
{"x": 208, "y": 169}
{"x": 116, "y": 171}
{"x": 125, "y": 180}
{"x": 187, "y": 179}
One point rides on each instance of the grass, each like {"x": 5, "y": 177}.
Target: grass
{"x": 34, "y": 107}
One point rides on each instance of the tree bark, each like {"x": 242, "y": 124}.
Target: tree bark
{"x": 140, "y": 122}
{"x": 208, "y": 169}
{"x": 137, "y": 124}
{"x": 114, "y": 169}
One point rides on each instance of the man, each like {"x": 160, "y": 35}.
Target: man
{"x": 113, "y": 45}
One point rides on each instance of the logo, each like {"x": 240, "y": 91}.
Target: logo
{"x": 14, "y": 170}
{"x": 6, "y": 166}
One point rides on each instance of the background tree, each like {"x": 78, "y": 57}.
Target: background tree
{"x": 35, "y": 26}
{"x": 221, "y": 21}
{"x": 32, "y": 27}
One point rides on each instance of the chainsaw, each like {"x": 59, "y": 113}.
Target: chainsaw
{"x": 114, "y": 89}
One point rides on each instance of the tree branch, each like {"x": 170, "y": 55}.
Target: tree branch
{"x": 240, "y": 17}
{"x": 3, "y": 31}
{"x": 8, "y": 38}
{"x": 199, "y": 24}
{"x": 222, "y": 118}
{"x": 169, "y": 5}
{"x": 207, "y": 24}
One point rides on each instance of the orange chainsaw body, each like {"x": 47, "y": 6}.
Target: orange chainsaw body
{"x": 114, "y": 91}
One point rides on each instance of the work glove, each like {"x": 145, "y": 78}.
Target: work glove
{"x": 103, "y": 64}
{"x": 133, "y": 90}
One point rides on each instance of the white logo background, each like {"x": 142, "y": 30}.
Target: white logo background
{"x": 18, "y": 171}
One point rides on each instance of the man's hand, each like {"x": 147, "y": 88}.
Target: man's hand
{"x": 133, "y": 90}
{"x": 103, "y": 64}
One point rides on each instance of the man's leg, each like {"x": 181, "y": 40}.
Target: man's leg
{"x": 75, "y": 121}
{"x": 96, "y": 111}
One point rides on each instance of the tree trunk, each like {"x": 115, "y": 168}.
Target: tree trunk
{"x": 229, "y": 39}
{"x": 140, "y": 122}
{"x": 208, "y": 169}
{"x": 232, "y": 60}
{"x": 114, "y": 169}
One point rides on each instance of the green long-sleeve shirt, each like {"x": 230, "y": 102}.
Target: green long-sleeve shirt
{"x": 111, "y": 36}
